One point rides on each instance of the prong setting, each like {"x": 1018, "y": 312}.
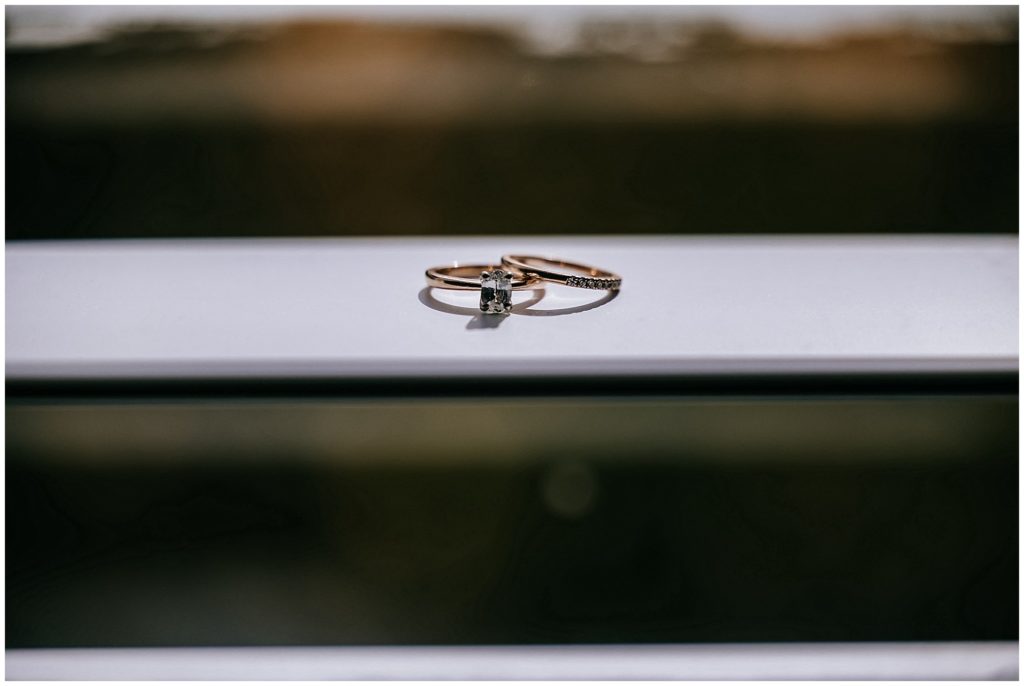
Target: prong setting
{"x": 495, "y": 292}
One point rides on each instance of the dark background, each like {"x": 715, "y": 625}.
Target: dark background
{"x": 644, "y": 124}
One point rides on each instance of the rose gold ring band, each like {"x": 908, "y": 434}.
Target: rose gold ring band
{"x": 564, "y": 272}
{"x": 466, "y": 277}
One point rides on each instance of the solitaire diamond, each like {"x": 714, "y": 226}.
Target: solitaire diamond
{"x": 495, "y": 292}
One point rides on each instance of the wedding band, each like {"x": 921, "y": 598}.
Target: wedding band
{"x": 468, "y": 277}
{"x": 564, "y": 272}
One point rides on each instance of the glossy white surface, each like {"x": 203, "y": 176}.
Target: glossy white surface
{"x": 793, "y": 661}
{"x": 358, "y": 306}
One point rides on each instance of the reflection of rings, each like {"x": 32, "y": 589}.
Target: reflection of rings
{"x": 494, "y": 282}
{"x": 468, "y": 277}
{"x": 563, "y": 272}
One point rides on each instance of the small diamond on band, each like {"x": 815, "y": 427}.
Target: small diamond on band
{"x": 592, "y": 282}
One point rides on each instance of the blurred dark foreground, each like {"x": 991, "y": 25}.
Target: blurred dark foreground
{"x": 525, "y": 521}
{"x": 354, "y": 127}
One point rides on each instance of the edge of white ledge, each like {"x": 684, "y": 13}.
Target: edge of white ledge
{"x": 522, "y": 367}
{"x": 986, "y": 660}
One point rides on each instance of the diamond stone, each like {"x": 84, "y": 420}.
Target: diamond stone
{"x": 495, "y": 292}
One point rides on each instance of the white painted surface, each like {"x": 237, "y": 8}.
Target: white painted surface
{"x": 354, "y": 306}
{"x": 795, "y": 661}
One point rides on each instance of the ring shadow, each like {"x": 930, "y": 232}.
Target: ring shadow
{"x": 603, "y": 300}
{"x": 482, "y": 321}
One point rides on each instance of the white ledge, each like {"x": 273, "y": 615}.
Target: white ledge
{"x": 359, "y": 307}
{"x": 793, "y": 661}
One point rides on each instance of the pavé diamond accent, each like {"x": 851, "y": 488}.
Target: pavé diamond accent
{"x": 495, "y": 292}
{"x": 591, "y": 282}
